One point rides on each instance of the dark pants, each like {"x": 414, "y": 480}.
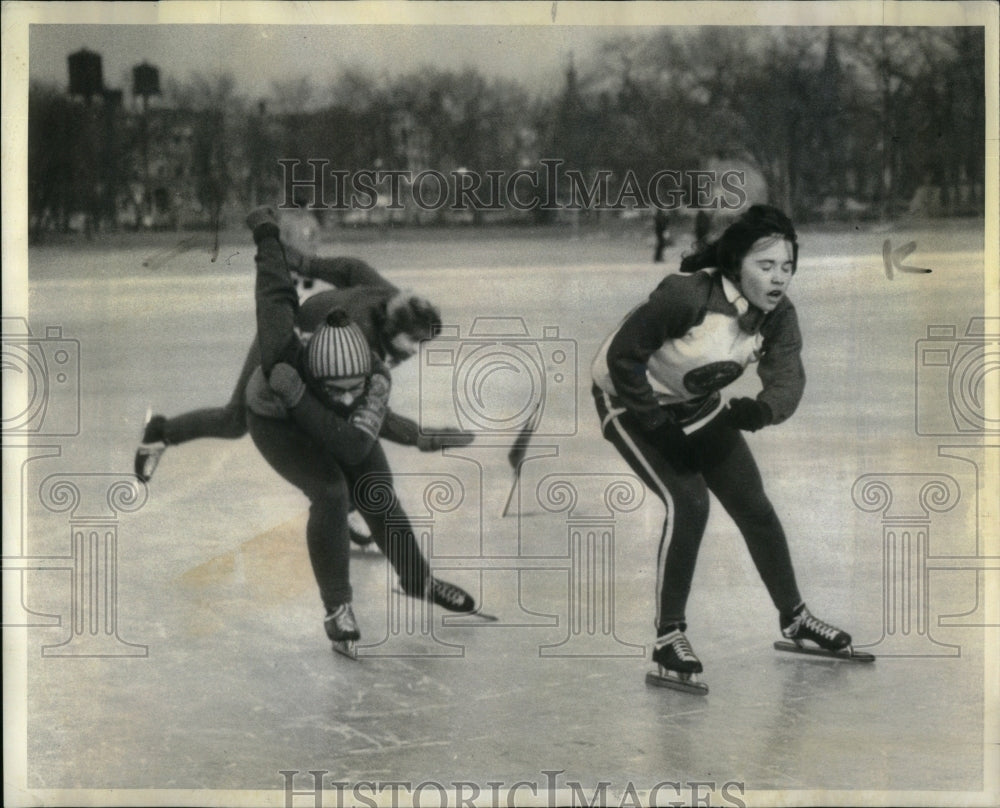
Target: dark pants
{"x": 330, "y": 488}
{"x": 728, "y": 471}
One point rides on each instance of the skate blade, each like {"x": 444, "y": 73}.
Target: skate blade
{"x": 349, "y": 648}
{"x": 847, "y": 655}
{"x": 461, "y": 618}
{"x": 450, "y": 612}
{"x": 146, "y": 461}
{"x": 689, "y": 684}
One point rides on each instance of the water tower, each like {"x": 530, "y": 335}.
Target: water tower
{"x": 86, "y": 77}
{"x": 145, "y": 82}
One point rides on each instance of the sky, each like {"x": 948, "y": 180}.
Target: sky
{"x": 536, "y": 56}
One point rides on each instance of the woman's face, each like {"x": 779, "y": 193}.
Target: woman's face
{"x": 766, "y": 272}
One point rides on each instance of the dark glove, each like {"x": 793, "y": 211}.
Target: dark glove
{"x": 370, "y": 414}
{"x": 298, "y": 262}
{"x": 749, "y": 414}
{"x": 444, "y": 437}
{"x": 286, "y": 382}
{"x": 263, "y": 221}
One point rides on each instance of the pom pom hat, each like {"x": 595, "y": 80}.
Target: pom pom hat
{"x": 338, "y": 349}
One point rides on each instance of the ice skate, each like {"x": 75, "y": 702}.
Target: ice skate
{"x": 823, "y": 639}
{"x": 147, "y": 456}
{"x": 447, "y": 596}
{"x": 342, "y": 629}
{"x": 677, "y": 665}
{"x": 360, "y": 536}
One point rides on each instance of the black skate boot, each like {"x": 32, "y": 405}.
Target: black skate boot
{"x": 153, "y": 445}
{"x": 678, "y": 667}
{"x": 342, "y": 629}
{"x": 825, "y": 640}
{"x": 447, "y": 596}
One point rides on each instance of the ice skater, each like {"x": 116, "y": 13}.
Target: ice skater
{"x": 393, "y": 321}
{"x": 661, "y": 230}
{"x": 314, "y": 412}
{"x": 657, "y": 383}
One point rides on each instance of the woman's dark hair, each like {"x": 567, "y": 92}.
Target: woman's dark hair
{"x": 409, "y": 314}
{"x": 728, "y": 250}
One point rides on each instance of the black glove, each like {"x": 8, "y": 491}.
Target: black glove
{"x": 263, "y": 221}
{"x": 447, "y": 436}
{"x": 749, "y": 414}
{"x": 286, "y": 382}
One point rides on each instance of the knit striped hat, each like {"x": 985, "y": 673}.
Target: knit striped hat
{"x": 338, "y": 349}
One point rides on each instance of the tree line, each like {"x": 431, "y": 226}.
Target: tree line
{"x": 840, "y": 122}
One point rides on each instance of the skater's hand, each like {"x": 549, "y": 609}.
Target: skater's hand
{"x": 370, "y": 414}
{"x": 748, "y": 414}
{"x": 263, "y": 221}
{"x": 447, "y": 436}
{"x": 286, "y": 382}
{"x": 298, "y": 262}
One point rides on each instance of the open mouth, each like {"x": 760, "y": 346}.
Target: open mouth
{"x": 775, "y": 296}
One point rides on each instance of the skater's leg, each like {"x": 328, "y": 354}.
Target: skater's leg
{"x": 371, "y": 485}
{"x": 209, "y": 422}
{"x": 372, "y": 491}
{"x": 293, "y": 455}
{"x": 736, "y": 482}
{"x": 685, "y": 499}
{"x": 227, "y": 422}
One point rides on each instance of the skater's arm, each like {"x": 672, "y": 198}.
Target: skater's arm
{"x": 781, "y": 372}
{"x": 405, "y": 431}
{"x": 400, "y": 429}
{"x": 343, "y": 272}
{"x": 337, "y": 437}
{"x": 348, "y": 439}
{"x": 670, "y": 312}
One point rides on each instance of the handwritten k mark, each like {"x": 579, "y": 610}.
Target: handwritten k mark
{"x": 893, "y": 259}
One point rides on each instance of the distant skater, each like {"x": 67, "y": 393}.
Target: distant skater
{"x": 657, "y": 383}
{"x": 661, "y": 229}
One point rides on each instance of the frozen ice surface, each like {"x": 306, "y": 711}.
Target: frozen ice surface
{"x": 213, "y": 576}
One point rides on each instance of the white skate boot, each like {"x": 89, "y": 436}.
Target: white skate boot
{"x": 153, "y": 445}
